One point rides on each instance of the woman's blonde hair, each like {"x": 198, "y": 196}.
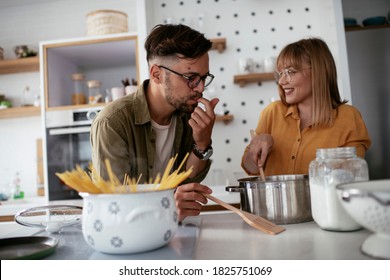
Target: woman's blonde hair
{"x": 326, "y": 97}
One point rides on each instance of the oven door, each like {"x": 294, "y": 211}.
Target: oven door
{"x": 66, "y": 147}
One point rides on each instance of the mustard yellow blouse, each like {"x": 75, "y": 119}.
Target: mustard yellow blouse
{"x": 294, "y": 149}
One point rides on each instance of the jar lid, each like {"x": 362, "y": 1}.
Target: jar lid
{"x": 93, "y": 84}
{"x": 78, "y": 77}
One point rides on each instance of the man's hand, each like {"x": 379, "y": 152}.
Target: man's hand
{"x": 189, "y": 199}
{"x": 202, "y": 122}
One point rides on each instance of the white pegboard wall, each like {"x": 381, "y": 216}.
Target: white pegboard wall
{"x": 253, "y": 29}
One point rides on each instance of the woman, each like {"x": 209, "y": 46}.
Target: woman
{"x": 310, "y": 115}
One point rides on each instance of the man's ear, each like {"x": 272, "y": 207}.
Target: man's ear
{"x": 155, "y": 74}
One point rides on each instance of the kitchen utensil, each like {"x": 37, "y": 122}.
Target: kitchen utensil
{"x": 129, "y": 223}
{"x": 27, "y": 248}
{"x": 252, "y": 220}
{"x": 261, "y": 170}
{"x": 369, "y": 204}
{"x": 282, "y": 199}
{"x": 52, "y": 218}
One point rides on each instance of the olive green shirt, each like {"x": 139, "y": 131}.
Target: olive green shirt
{"x": 122, "y": 133}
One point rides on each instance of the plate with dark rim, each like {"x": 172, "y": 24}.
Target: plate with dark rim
{"x": 27, "y": 248}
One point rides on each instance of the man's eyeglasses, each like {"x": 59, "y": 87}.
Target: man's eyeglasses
{"x": 193, "y": 80}
{"x": 287, "y": 73}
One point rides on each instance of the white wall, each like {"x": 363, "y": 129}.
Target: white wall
{"x": 254, "y": 29}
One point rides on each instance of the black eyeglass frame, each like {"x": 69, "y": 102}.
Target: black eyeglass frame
{"x": 190, "y": 78}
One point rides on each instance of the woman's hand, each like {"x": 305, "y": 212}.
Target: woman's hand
{"x": 257, "y": 152}
{"x": 188, "y": 199}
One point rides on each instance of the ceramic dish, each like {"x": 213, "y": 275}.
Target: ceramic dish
{"x": 374, "y": 21}
{"x": 369, "y": 204}
{"x": 349, "y": 22}
{"x": 27, "y": 248}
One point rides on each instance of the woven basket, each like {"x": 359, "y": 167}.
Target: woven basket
{"x": 106, "y": 22}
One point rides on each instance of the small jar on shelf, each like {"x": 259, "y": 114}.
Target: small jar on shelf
{"x": 94, "y": 92}
{"x": 78, "y": 96}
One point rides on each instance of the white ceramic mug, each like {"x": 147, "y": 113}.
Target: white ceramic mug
{"x": 117, "y": 92}
{"x": 270, "y": 64}
{"x": 130, "y": 89}
{"x": 245, "y": 65}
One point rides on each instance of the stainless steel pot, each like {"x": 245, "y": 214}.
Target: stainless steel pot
{"x": 282, "y": 199}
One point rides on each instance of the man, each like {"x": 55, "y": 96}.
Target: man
{"x": 139, "y": 133}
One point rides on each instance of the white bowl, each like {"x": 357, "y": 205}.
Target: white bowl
{"x": 369, "y": 204}
{"x": 129, "y": 223}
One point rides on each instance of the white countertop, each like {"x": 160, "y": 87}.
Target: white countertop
{"x": 218, "y": 236}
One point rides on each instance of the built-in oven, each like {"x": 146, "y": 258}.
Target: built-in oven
{"x": 67, "y": 145}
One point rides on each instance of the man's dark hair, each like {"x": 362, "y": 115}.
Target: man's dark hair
{"x": 170, "y": 39}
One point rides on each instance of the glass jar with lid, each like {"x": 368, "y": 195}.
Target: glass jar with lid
{"x": 94, "y": 91}
{"x": 78, "y": 96}
{"x": 332, "y": 167}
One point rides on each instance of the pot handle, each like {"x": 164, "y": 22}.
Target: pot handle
{"x": 234, "y": 189}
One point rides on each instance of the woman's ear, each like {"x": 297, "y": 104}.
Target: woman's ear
{"x": 155, "y": 74}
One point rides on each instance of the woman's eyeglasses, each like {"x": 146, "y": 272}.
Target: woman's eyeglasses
{"x": 193, "y": 80}
{"x": 287, "y": 73}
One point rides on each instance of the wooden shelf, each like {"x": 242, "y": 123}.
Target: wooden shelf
{"x": 19, "y": 112}
{"x": 224, "y": 118}
{"x": 360, "y": 28}
{"x": 219, "y": 44}
{"x": 11, "y": 66}
{"x": 244, "y": 79}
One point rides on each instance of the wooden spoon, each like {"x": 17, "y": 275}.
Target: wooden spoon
{"x": 260, "y": 168}
{"x": 253, "y": 220}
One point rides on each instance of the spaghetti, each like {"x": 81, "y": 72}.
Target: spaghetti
{"x": 91, "y": 182}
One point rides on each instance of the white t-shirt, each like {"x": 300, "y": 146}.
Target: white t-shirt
{"x": 165, "y": 136}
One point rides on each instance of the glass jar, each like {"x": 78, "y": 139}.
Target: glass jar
{"x": 330, "y": 168}
{"x": 27, "y": 97}
{"x": 78, "y": 96}
{"x": 94, "y": 92}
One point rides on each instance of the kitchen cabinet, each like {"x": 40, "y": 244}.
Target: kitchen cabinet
{"x": 108, "y": 59}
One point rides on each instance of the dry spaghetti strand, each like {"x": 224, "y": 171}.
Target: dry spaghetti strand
{"x": 93, "y": 183}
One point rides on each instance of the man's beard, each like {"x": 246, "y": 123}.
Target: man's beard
{"x": 180, "y": 104}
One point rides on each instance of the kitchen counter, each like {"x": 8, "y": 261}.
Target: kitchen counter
{"x": 218, "y": 235}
